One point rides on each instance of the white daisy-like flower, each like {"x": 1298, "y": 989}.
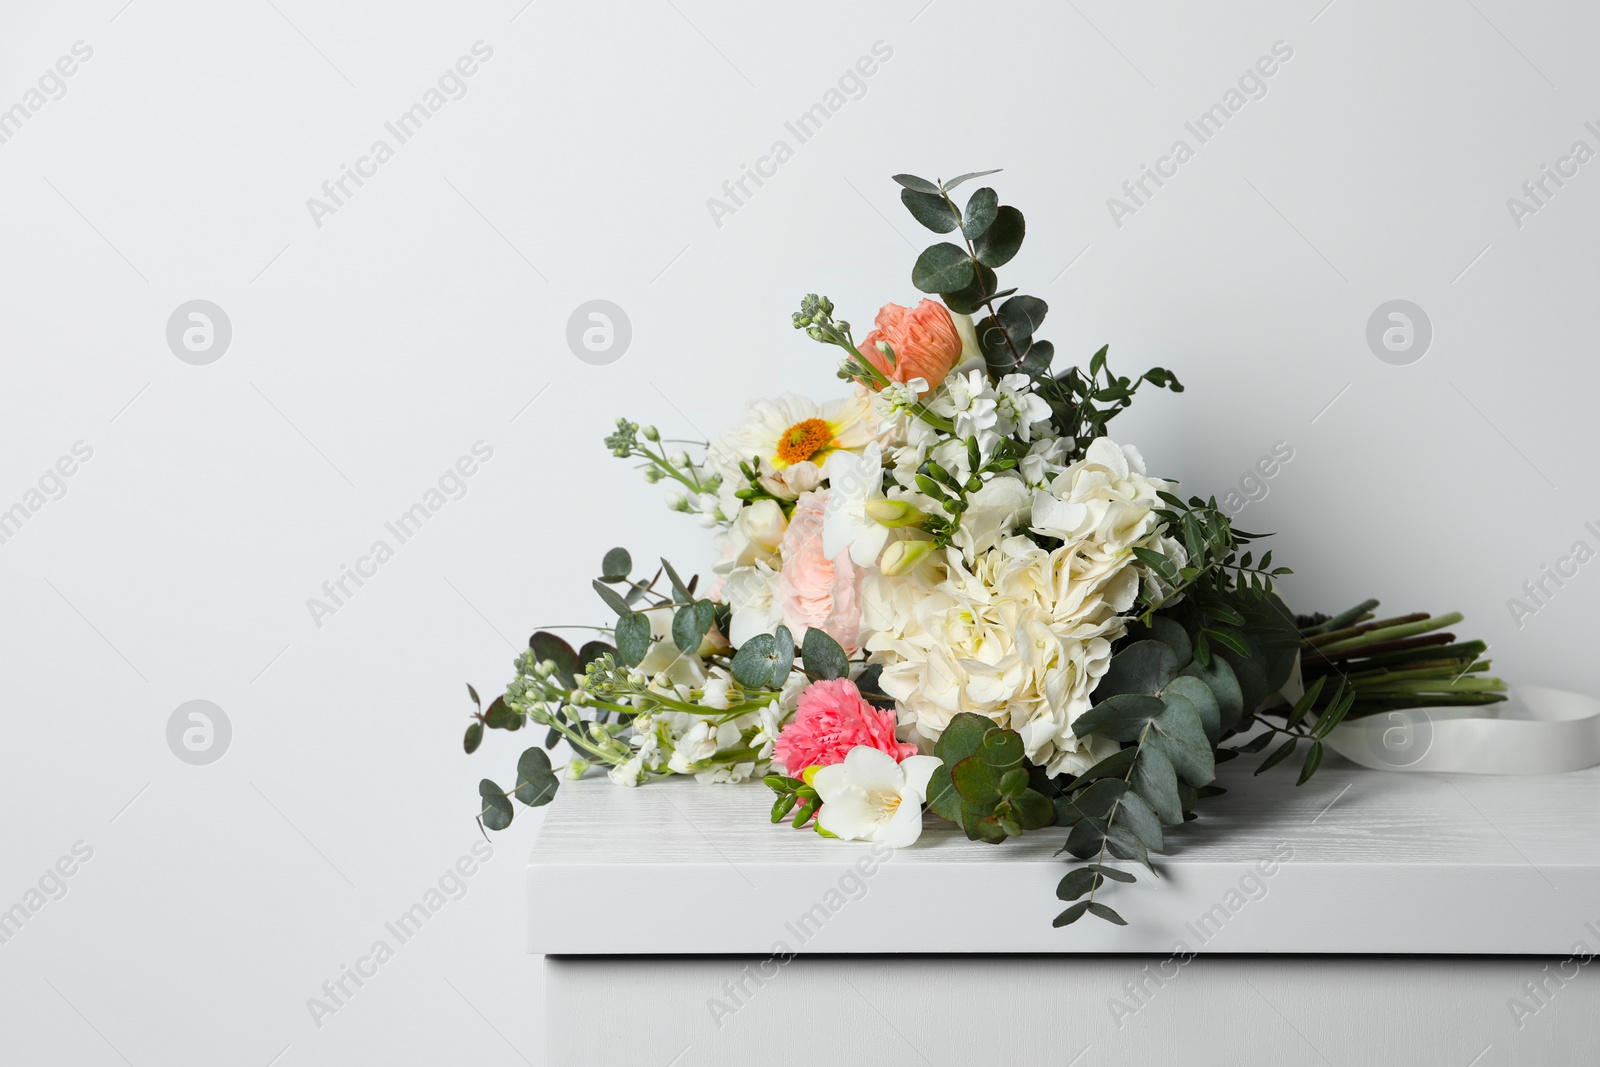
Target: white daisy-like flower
{"x": 789, "y": 438}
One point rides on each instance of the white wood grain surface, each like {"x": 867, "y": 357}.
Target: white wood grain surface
{"x": 1357, "y": 861}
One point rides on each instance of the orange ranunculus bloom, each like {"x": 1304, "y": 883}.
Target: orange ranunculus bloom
{"x": 925, "y": 340}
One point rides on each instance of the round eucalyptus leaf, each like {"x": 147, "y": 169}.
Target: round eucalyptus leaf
{"x": 942, "y": 268}
{"x": 497, "y": 810}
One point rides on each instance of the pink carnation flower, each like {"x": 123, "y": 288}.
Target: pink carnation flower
{"x": 831, "y": 720}
{"x": 814, "y": 591}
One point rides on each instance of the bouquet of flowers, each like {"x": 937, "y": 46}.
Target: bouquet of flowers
{"x": 949, "y": 589}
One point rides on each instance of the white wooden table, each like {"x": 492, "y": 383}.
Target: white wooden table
{"x": 1409, "y": 919}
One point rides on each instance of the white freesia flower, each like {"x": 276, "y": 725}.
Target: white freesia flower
{"x": 754, "y": 537}
{"x": 853, "y": 483}
{"x": 870, "y": 797}
{"x": 752, "y": 597}
{"x": 789, "y": 438}
{"x": 664, "y": 665}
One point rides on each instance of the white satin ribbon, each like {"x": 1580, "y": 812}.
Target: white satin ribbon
{"x": 1535, "y": 731}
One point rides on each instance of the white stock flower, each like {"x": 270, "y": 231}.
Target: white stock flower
{"x": 701, "y": 741}
{"x": 870, "y": 797}
{"x": 629, "y": 773}
{"x": 1019, "y": 407}
{"x": 969, "y": 401}
{"x": 714, "y": 694}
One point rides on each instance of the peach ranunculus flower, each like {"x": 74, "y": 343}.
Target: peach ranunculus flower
{"x": 927, "y": 341}
{"x": 812, "y": 590}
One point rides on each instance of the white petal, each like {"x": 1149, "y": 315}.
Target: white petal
{"x": 905, "y": 826}
{"x": 850, "y": 816}
{"x": 869, "y": 769}
{"x": 867, "y": 546}
{"x": 918, "y": 769}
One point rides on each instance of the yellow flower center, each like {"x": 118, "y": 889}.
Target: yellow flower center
{"x": 803, "y": 440}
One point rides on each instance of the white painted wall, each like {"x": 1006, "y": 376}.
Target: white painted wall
{"x": 370, "y": 352}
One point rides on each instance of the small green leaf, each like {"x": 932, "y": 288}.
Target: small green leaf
{"x": 1156, "y": 781}
{"x": 1013, "y": 782}
{"x": 1000, "y": 241}
{"x": 612, "y": 599}
{"x": 686, "y": 631}
{"x": 943, "y": 268}
{"x": 632, "y": 634}
{"x": 1304, "y": 704}
{"x": 967, "y": 177}
{"x": 617, "y": 565}
{"x": 473, "y": 693}
{"x": 536, "y": 782}
{"x": 752, "y": 664}
{"x": 1097, "y": 908}
{"x": 976, "y": 781}
{"x": 1178, "y": 732}
{"x": 943, "y": 798}
{"x": 1112, "y": 873}
{"x": 1313, "y": 761}
{"x": 1001, "y": 748}
{"x": 1135, "y": 815}
{"x": 1078, "y": 881}
{"x": 981, "y": 210}
{"x": 1034, "y": 810}
{"x": 783, "y": 806}
{"x": 930, "y": 209}
{"x": 1278, "y": 755}
{"x": 497, "y": 810}
{"x": 782, "y": 658}
{"x": 1205, "y": 701}
{"x": 474, "y": 737}
{"x": 501, "y": 717}
{"x": 911, "y": 181}
{"x": 822, "y": 656}
{"x": 962, "y": 737}
{"x": 679, "y": 590}
{"x": 1071, "y": 915}
{"x": 1121, "y": 718}
{"x": 1142, "y": 667}
{"x": 1113, "y": 766}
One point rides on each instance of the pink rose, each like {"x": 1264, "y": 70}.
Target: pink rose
{"x": 925, "y": 340}
{"x": 812, "y": 590}
{"x": 831, "y": 720}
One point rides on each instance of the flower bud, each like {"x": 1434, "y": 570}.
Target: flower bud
{"x": 652, "y": 475}
{"x": 888, "y": 351}
{"x": 651, "y": 433}
{"x": 679, "y": 459}
{"x": 894, "y": 513}
{"x": 902, "y": 556}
